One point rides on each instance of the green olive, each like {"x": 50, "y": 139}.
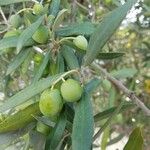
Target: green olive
{"x": 41, "y": 35}
{"x": 15, "y": 20}
{"x": 50, "y": 102}
{"x": 81, "y": 42}
{"x": 38, "y": 9}
{"x": 71, "y": 90}
{"x": 43, "y": 128}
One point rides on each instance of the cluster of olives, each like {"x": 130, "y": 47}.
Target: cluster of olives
{"x": 51, "y": 100}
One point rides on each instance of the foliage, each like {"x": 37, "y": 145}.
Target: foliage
{"x": 46, "y": 54}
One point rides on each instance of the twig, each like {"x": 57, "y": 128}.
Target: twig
{"x": 2, "y": 13}
{"x": 126, "y": 91}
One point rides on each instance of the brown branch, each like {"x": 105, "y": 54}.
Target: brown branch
{"x": 126, "y": 91}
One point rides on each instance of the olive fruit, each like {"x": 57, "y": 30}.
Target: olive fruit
{"x": 38, "y": 8}
{"x": 50, "y": 103}
{"x": 106, "y": 84}
{"x": 71, "y": 90}
{"x": 42, "y": 128}
{"x": 15, "y": 20}
{"x": 81, "y": 42}
{"x": 41, "y": 35}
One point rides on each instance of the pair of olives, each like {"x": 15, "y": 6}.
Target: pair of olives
{"x": 51, "y": 101}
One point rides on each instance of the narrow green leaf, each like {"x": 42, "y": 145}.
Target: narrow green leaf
{"x": 20, "y": 119}
{"x": 42, "y": 67}
{"x": 18, "y": 60}
{"x": 56, "y": 135}
{"x": 60, "y": 63}
{"x": 12, "y": 42}
{"x": 45, "y": 120}
{"x": 110, "y": 55}
{"x": 27, "y": 33}
{"x": 105, "y": 138}
{"x": 26, "y": 63}
{"x": 135, "y": 141}
{"x": 54, "y": 8}
{"x": 59, "y": 18}
{"x": 70, "y": 57}
{"x": 28, "y": 92}
{"x": 7, "y": 2}
{"x": 69, "y": 112}
{"x": 124, "y": 73}
{"x": 105, "y": 114}
{"x": 83, "y": 124}
{"x": 85, "y": 28}
{"x": 105, "y": 30}
{"x": 8, "y": 42}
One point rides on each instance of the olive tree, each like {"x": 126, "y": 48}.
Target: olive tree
{"x": 54, "y": 71}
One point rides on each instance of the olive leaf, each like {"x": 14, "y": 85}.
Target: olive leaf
{"x": 27, "y": 33}
{"x": 26, "y": 63}
{"x": 105, "y": 30}
{"x": 124, "y": 73}
{"x": 105, "y": 138}
{"x": 18, "y": 60}
{"x": 12, "y": 42}
{"x": 60, "y": 63}
{"x": 85, "y": 28}
{"x": 135, "y": 140}
{"x": 7, "y": 43}
{"x": 59, "y": 18}
{"x": 7, "y": 2}
{"x": 70, "y": 57}
{"x": 54, "y": 7}
{"x": 83, "y": 124}
{"x": 20, "y": 119}
{"x": 28, "y": 92}
{"x": 110, "y": 55}
{"x": 55, "y": 136}
{"x": 41, "y": 68}
{"x": 106, "y": 113}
